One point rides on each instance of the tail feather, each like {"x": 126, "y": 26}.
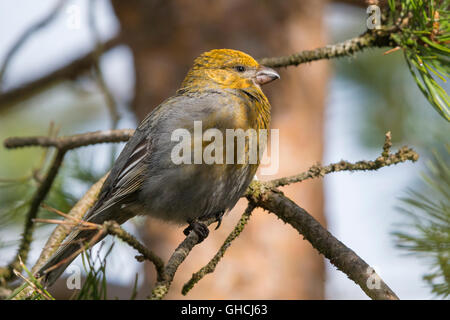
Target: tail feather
{"x": 64, "y": 256}
{"x": 76, "y": 242}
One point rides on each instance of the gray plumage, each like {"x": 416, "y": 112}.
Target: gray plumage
{"x": 145, "y": 180}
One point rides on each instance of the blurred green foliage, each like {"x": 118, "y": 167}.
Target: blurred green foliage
{"x": 388, "y": 98}
{"x": 424, "y": 38}
{"x": 95, "y": 285}
{"x": 426, "y": 231}
{"x": 39, "y": 293}
{"x": 71, "y": 110}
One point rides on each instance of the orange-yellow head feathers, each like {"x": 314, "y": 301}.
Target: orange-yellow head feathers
{"x": 223, "y": 58}
{"x": 227, "y": 68}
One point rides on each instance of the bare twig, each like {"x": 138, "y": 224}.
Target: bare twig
{"x": 33, "y": 286}
{"x": 108, "y": 227}
{"x": 39, "y": 196}
{"x": 180, "y": 254}
{"x": 60, "y": 233}
{"x": 385, "y": 159}
{"x": 113, "y": 228}
{"x": 62, "y": 144}
{"x": 369, "y": 39}
{"x": 30, "y": 31}
{"x": 211, "y": 265}
{"x": 109, "y": 98}
{"x": 67, "y": 72}
{"x": 71, "y": 142}
{"x": 85, "y": 243}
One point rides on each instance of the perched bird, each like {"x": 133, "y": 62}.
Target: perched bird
{"x": 223, "y": 91}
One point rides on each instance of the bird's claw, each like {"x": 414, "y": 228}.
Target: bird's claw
{"x": 199, "y": 228}
{"x": 219, "y": 217}
{"x": 219, "y": 222}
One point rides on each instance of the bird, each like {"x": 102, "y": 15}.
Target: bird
{"x": 222, "y": 91}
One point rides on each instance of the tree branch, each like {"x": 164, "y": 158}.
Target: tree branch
{"x": 27, "y": 34}
{"x": 261, "y": 194}
{"x": 323, "y": 241}
{"x": 264, "y": 195}
{"x": 369, "y": 39}
{"x": 66, "y": 72}
{"x": 181, "y": 252}
{"x": 211, "y": 265}
{"x": 72, "y": 220}
{"x": 70, "y": 142}
{"x": 62, "y": 144}
{"x": 107, "y": 94}
{"x": 27, "y": 236}
{"x": 113, "y": 228}
{"x": 386, "y": 159}
{"x": 62, "y": 231}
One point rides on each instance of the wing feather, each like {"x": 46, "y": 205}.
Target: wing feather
{"x": 125, "y": 178}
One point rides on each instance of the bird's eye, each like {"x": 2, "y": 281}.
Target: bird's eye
{"x": 240, "y": 68}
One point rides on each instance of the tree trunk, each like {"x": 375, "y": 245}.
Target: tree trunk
{"x": 269, "y": 260}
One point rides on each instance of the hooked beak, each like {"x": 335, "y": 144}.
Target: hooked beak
{"x": 265, "y": 75}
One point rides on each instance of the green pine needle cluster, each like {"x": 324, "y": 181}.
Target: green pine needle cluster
{"x": 424, "y": 37}
{"x": 95, "y": 285}
{"x": 428, "y": 212}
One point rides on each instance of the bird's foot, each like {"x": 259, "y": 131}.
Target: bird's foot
{"x": 199, "y": 228}
{"x": 218, "y": 217}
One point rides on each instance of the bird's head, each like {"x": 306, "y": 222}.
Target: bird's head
{"x": 227, "y": 68}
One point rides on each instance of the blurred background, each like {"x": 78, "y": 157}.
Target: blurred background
{"x": 326, "y": 111}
